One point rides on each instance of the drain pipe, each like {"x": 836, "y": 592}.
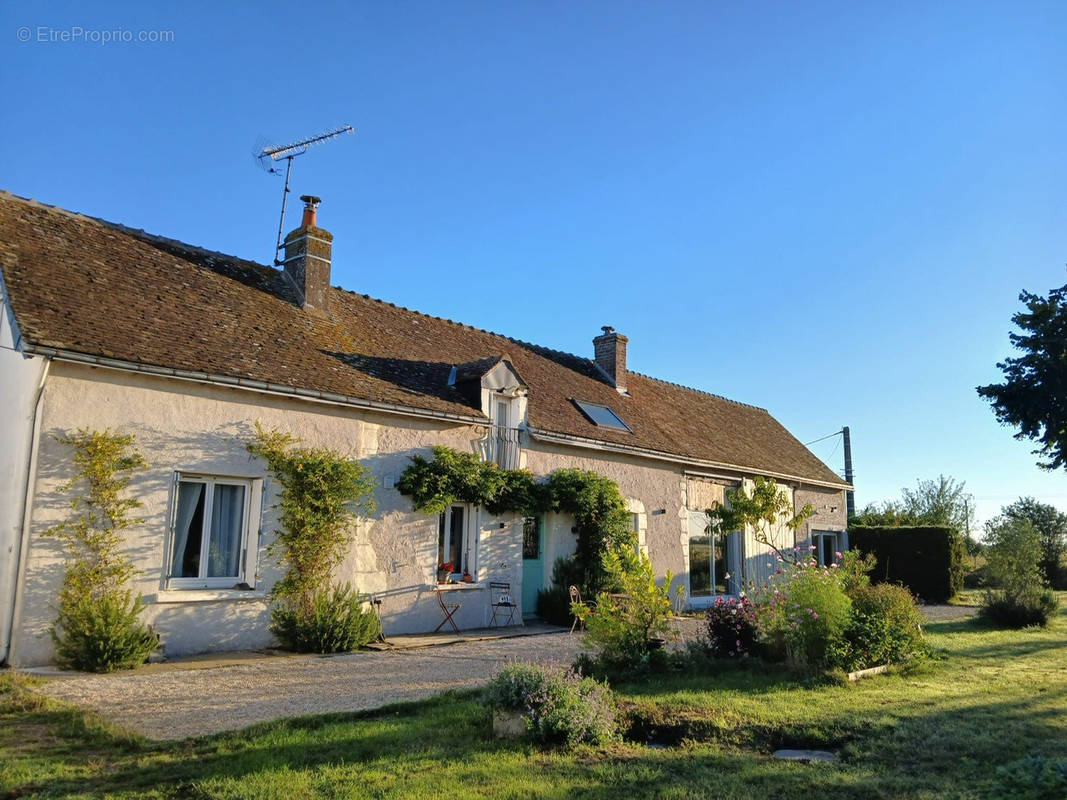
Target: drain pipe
{"x": 27, "y": 510}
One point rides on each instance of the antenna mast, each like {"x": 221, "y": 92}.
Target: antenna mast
{"x": 269, "y": 156}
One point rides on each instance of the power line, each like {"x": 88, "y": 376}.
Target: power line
{"x": 827, "y": 436}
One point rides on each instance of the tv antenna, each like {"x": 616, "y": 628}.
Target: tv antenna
{"x": 268, "y": 157}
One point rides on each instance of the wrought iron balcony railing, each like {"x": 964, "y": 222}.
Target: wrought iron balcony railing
{"x": 501, "y": 445}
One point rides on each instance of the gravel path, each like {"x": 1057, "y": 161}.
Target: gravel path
{"x": 190, "y": 702}
{"x": 944, "y": 613}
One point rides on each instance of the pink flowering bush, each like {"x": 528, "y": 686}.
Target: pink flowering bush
{"x": 732, "y": 627}
{"x": 803, "y": 612}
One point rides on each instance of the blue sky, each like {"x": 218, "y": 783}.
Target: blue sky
{"x": 825, "y": 209}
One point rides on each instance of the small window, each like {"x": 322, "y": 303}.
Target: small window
{"x": 531, "y": 538}
{"x": 210, "y": 532}
{"x": 601, "y": 416}
{"x": 637, "y": 523}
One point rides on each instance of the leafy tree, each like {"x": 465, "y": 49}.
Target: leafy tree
{"x": 761, "y": 508}
{"x": 939, "y": 501}
{"x": 886, "y": 514}
{"x": 1033, "y": 396}
{"x": 601, "y": 521}
{"x": 1051, "y": 526}
{"x": 1017, "y": 596}
{"x": 624, "y": 624}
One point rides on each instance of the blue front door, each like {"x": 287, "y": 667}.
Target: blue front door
{"x": 533, "y": 564}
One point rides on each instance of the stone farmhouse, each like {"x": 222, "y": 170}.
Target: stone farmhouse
{"x": 103, "y": 326}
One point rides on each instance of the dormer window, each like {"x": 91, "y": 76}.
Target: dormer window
{"x": 504, "y": 435}
{"x": 494, "y": 386}
{"x": 602, "y": 416}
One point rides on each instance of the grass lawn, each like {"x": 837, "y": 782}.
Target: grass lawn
{"x": 939, "y": 730}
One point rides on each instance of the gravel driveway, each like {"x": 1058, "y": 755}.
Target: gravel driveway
{"x": 945, "y": 613}
{"x": 179, "y": 703}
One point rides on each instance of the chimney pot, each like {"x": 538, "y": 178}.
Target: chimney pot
{"x": 308, "y": 251}
{"x": 609, "y": 352}
{"x": 311, "y": 205}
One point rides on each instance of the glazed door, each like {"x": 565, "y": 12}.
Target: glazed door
{"x": 533, "y": 564}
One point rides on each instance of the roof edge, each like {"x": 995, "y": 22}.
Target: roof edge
{"x": 674, "y": 458}
{"x": 330, "y": 398}
{"x": 249, "y": 384}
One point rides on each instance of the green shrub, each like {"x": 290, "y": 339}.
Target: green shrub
{"x": 1017, "y": 596}
{"x": 625, "y": 625}
{"x": 335, "y": 620}
{"x": 559, "y": 707}
{"x": 1031, "y": 778}
{"x": 102, "y": 633}
{"x": 554, "y": 605}
{"x": 732, "y": 628}
{"x": 929, "y": 560}
{"x": 815, "y": 613}
{"x": 855, "y": 569}
{"x": 1020, "y": 611}
{"x": 884, "y": 627}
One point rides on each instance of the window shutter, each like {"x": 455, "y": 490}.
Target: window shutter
{"x": 255, "y": 522}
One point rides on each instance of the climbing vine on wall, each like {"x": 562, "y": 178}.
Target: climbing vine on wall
{"x": 98, "y": 628}
{"x": 599, "y": 510}
{"x": 322, "y": 494}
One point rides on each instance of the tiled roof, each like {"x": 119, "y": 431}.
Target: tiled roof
{"x": 88, "y": 286}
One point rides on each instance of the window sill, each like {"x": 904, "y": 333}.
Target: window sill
{"x": 203, "y": 595}
{"x": 459, "y": 586}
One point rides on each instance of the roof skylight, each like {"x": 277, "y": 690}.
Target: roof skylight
{"x": 602, "y": 416}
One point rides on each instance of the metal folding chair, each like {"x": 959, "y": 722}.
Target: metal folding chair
{"x": 449, "y": 610}
{"x": 576, "y": 597}
{"x": 500, "y": 600}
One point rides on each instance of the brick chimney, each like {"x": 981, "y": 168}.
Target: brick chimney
{"x": 609, "y": 352}
{"x": 308, "y": 250}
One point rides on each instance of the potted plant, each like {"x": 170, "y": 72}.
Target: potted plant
{"x": 444, "y": 572}
{"x": 467, "y": 577}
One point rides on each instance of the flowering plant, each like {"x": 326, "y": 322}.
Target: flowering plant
{"x": 558, "y": 706}
{"x": 444, "y": 572}
{"x": 803, "y": 609}
{"x": 732, "y": 627}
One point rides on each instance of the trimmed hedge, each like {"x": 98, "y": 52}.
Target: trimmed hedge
{"x": 929, "y": 560}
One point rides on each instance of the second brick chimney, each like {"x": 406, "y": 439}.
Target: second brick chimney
{"x": 308, "y": 251}
{"x": 609, "y": 352}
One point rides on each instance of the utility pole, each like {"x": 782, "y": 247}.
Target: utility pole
{"x": 850, "y": 496}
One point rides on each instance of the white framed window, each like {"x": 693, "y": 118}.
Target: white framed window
{"x": 639, "y": 525}
{"x": 214, "y": 532}
{"x": 715, "y": 561}
{"x": 456, "y": 541}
